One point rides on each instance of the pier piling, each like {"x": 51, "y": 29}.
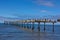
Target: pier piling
{"x": 53, "y": 26}
{"x": 44, "y": 27}
{"x": 32, "y": 25}
{"x": 38, "y": 26}
{"x": 27, "y": 23}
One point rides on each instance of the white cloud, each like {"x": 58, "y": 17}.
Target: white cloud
{"x": 43, "y": 11}
{"x": 48, "y": 4}
{"x": 44, "y": 2}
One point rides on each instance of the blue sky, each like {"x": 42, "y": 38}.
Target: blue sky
{"x": 24, "y": 9}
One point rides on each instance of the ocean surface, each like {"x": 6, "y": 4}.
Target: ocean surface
{"x": 10, "y": 32}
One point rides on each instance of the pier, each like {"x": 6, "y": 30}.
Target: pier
{"x": 25, "y": 23}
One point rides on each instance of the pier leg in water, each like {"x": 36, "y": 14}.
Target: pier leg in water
{"x": 33, "y": 26}
{"x": 44, "y": 27}
{"x": 22, "y": 25}
{"x": 39, "y": 26}
{"x": 30, "y": 26}
{"x": 53, "y": 27}
{"x": 27, "y": 26}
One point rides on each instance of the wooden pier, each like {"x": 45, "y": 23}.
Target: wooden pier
{"x": 25, "y": 23}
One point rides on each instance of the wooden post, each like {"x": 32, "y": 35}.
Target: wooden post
{"x": 27, "y": 26}
{"x": 22, "y": 25}
{"x": 33, "y": 26}
{"x": 53, "y": 26}
{"x": 38, "y": 26}
{"x": 44, "y": 26}
{"x": 30, "y": 25}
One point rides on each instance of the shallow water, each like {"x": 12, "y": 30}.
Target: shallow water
{"x": 9, "y": 32}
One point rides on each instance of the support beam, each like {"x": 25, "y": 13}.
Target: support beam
{"x": 22, "y": 24}
{"x": 27, "y": 26}
{"x": 44, "y": 27}
{"x": 30, "y": 25}
{"x": 38, "y": 26}
{"x": 33, "y": 26}
{"x": 53, "y": 27}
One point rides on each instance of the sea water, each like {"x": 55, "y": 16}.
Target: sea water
{"x": 11, "y": 32}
